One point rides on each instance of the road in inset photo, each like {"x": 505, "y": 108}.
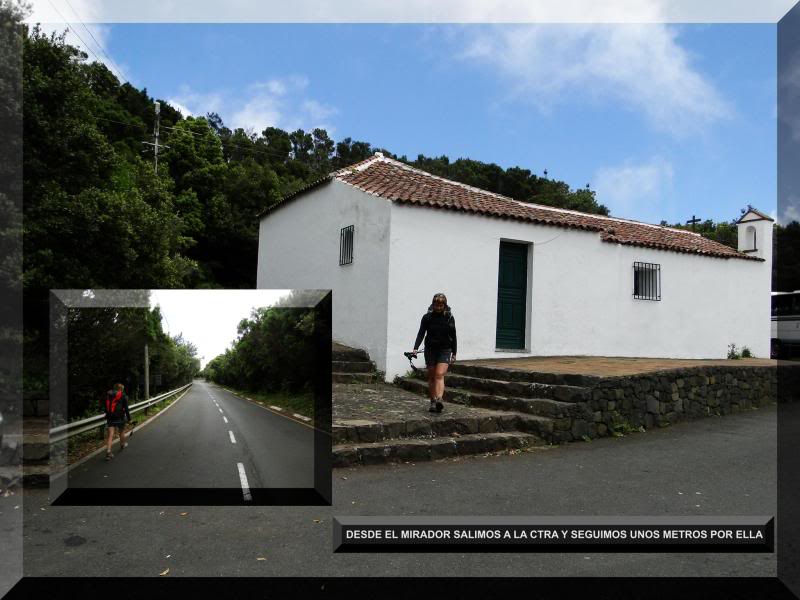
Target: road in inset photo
{"x": 209, "y": 438}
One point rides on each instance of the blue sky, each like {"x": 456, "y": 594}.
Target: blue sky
{"x": 663, "y": 121}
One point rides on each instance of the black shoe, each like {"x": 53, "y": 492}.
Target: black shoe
{"x": 432, "y": 408}
{"x": 439, "y": 407}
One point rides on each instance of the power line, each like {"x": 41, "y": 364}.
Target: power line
{"x": 99, "y": 45}
{"x": 225, "y": 143}
{"x": 87, "y": 46}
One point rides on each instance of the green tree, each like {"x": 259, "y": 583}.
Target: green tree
{"x": 272, "y": 352}
{"x": 349, "y": 152}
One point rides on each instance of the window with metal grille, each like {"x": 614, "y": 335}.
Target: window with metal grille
{"x": 346, "y": 245}
{"x": 646, "y": 281}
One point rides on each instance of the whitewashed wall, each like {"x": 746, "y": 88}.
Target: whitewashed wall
{"x": 298, "y": 247}
{"x": 581, "y": 292}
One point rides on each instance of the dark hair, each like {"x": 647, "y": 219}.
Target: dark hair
{"x": 448, "y": 312}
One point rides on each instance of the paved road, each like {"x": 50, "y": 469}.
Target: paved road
{"x": 715, "y": 466}
{"x": 200, "y": 441}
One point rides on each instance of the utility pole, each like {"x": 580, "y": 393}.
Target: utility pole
{"x": 146, "y": 375}
{"x": 155, "y": 144}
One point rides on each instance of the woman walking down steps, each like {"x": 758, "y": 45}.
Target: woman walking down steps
{"x": 438, "y": 327}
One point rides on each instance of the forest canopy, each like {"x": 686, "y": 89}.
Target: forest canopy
{"x": 107, "y": 346}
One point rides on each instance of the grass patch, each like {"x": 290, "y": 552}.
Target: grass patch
{"x": 87, "y": 442}
{"x": 302, "y": 404}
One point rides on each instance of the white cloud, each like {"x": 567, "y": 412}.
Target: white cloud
{"x": 185, "y": 112}
{"x": 791, "y": 210}
{"x": 186, "y": 312}
{"x": 189, "y": 102}
{"x": 318, "y": 111}
{"x": 635, "y": 191}
{"x": 274, "y": 87}
{"x": 279, "y": 102}
{"x": 259, "y": 112}
{"x": 789, "y": 96}
{"x": 641, "y": 67}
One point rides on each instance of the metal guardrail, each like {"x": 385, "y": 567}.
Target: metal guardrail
{"x": 64, "y": 432}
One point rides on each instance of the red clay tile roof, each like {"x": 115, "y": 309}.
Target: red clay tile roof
{"x": 396, "y": 181}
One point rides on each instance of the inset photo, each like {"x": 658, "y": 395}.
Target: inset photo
{"x": 190, "y": 397}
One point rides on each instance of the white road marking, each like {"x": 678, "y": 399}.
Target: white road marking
{"x": 278, "y": 408}
{"x": 220, "y": 410}
{"x": 301, "y": 417}
{"x": 233, "y": 439}
{"x": 224, "y": 418}
{"x": 243, "y": 479}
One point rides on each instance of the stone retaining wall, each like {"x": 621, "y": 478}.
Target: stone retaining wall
{"x": 658, "y": 399}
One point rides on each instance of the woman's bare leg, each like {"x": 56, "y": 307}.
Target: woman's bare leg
{"x": 121, "y": 437}
{"x": 432, "y": 383}
{"x": 109, "y": 439}
{"x": 441, "y": 369}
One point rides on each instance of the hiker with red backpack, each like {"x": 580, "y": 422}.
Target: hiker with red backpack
{"x": 117, "y": 414}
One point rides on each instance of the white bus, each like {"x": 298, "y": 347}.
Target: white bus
{"x": 785, "y": 323}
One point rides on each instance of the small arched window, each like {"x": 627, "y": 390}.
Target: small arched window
{"x": 751, "y": 238}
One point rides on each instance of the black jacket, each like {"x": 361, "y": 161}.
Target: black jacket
{"x": 439, "y": 331}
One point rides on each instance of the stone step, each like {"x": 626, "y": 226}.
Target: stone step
{"x": 544, "y": 407}
{"x": 346, "y": 455}
{"x": 356, "y": 377}
{"x": 366, "y": 431}
{"x": 36, "y": 475}
{"x": 340, "y": 353}
{"x": 349, "y": 366}
{"x": 520, "y": 375}
{"x": 524, "y": 389}
{"x": 35, "y": 451}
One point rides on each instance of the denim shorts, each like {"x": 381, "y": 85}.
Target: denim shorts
{"x": 434, "y": 356}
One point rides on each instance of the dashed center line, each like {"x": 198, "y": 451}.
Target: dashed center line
{"x": 233, "y": 439}
{"x": 243, "y": 480}
{"x": 224, "y": 418}
{"x": 220, "y": 410}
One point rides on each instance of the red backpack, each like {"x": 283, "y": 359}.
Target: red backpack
{"x": 111, "y": 403}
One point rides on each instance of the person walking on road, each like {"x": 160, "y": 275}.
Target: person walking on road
{"x": 438, "y": 327}
{"x": 117, "y": 414}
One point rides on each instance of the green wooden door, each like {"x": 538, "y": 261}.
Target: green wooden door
{"x": 512, "y": 286}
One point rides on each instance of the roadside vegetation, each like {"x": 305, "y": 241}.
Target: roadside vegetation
{"x": 106, "y": 346}
{"x": 273, "y": 359}
{"x": 301, "y": 403}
